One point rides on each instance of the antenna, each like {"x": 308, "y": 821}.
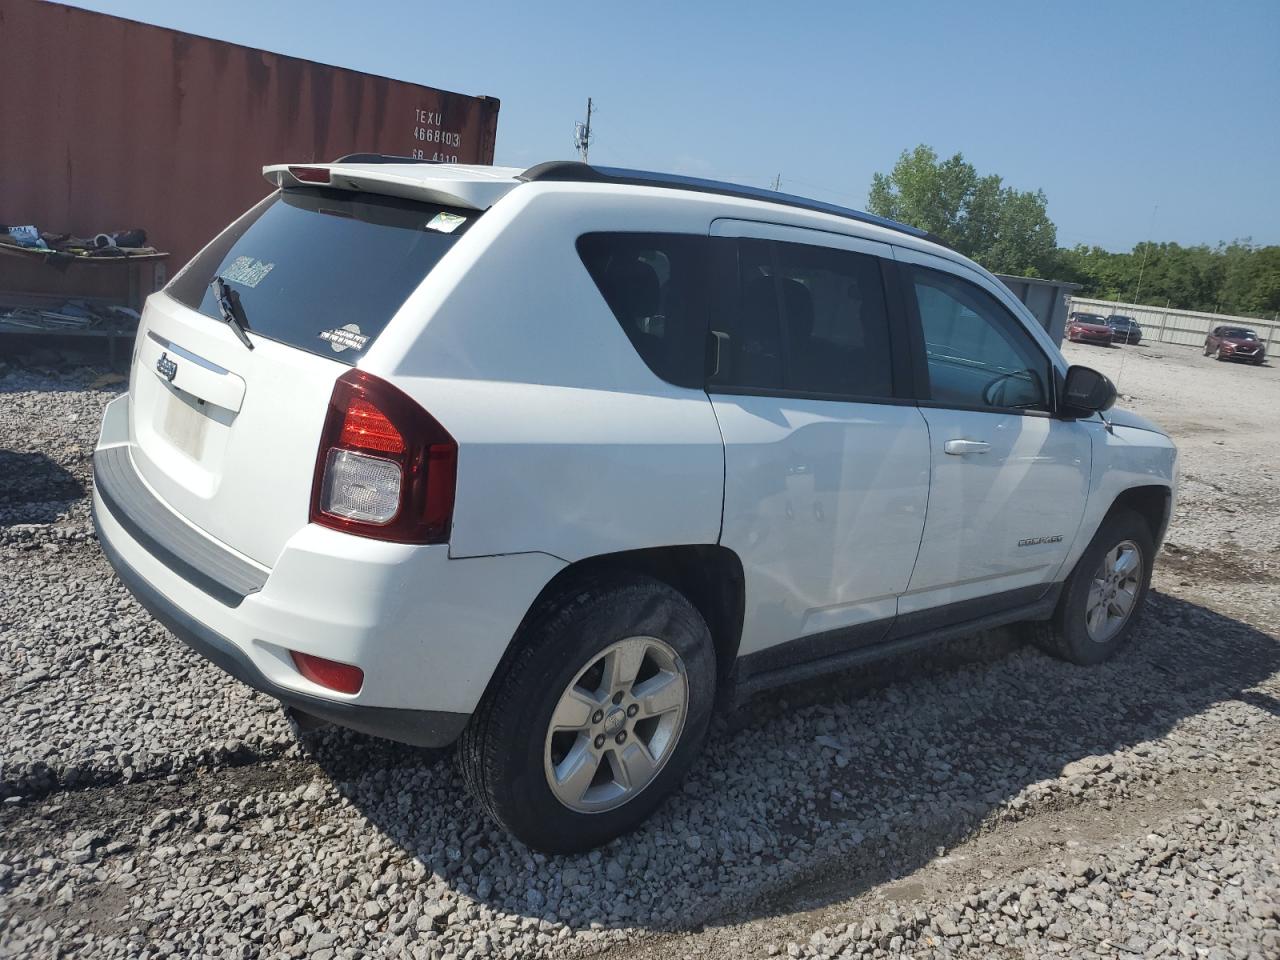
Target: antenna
{"x": 1145, "y": 252}
{"x": 777, "y": 183}
{"x": 1137, "y": 289}
{"x": 582, "y": 134}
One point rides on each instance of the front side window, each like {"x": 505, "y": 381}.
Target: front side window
{"x": 978, "y": 354}
{"x": 655, "y": 284}
{"x": 800, "y": 319}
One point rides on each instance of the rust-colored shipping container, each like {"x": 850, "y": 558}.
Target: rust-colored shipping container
{"x": 108, "y": 124}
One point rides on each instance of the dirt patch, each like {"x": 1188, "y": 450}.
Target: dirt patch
{"x": 127, "y": 806}
{"x": 1046, "y": 839}
{"x": 1217, "y": 566}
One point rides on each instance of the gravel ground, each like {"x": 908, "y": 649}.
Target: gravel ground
{"x": 985, "y": 802}
{"x": 91, "y": 688}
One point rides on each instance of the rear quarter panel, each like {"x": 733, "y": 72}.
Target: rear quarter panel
{"x": 568, "y": 443}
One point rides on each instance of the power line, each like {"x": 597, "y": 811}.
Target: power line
{"x": 831, "y": 191}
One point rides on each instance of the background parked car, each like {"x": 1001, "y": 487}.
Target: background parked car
{"x": 1235, "y": 343}
{"x": 1124, "y": 329}
{"x": 1089, "y": 328}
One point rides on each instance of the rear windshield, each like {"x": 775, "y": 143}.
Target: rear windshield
{"x": 323, "y": 270}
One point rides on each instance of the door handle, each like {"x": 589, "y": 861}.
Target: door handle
{"x": 960, "y": 448}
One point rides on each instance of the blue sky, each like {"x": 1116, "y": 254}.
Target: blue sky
{"x": 1158, "y": 119}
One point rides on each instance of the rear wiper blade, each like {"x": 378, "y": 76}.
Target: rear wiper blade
{"x": 229, "y": 306}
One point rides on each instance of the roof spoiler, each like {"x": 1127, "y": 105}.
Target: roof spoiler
{"x": 381, "y": 177}
{"x": 381, "y": 158}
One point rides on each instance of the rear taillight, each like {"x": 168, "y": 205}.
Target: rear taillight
{"x": 385, "y": 469}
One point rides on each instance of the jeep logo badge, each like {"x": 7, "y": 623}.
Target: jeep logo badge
{"x": 166, "y": 367}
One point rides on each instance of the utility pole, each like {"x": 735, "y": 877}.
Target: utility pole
{"x": 582, "y": 134}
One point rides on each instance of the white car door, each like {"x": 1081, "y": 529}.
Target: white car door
{"x": 1009, "y": 480}
{"x": 826, "y": 456}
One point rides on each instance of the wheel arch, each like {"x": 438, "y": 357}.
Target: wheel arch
{"x": 710, "y": 576}
{"x": 1152, "y": 502}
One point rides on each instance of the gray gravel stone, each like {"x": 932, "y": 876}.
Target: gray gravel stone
{"x": 199, "y": 827}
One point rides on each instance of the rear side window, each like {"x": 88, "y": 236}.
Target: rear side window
{"x": 801, "y": 319}
{"x": 655, "y": 284}
{"x": 323, "y": 270}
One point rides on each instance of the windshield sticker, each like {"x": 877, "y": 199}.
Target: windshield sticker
{"x": 446, "y": 222}
{"x": 347, "y": 337}
{"x": 247, "y": 271}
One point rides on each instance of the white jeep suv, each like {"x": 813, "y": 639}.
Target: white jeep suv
{"x": 557, "y": 462}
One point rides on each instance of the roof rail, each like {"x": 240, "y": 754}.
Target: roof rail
{"x": 574, "y": 171}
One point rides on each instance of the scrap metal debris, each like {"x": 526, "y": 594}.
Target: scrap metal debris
{"x": 70, "y": 316}
{"x": 120, "y": 243}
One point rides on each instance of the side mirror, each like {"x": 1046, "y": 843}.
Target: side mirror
{"x": 1086, "y": 392}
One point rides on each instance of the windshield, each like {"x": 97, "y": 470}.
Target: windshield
{"x": 1088, "y": 318}
{"x": 323, "y": 270}
{"x": 1239, "y": 333}
{"x": 1120, "y": 321}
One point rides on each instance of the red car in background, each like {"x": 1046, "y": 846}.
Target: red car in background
{"x": 1235, "y": 343}
{"x": 1089, "y": 328}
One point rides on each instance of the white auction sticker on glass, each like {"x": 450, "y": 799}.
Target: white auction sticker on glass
{"x": 446, "y": 222}
{"x": 246, "y": 271}
{"x": 345, "y": 337}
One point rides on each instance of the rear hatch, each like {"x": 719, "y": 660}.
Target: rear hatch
{"x": 227, "y": 435}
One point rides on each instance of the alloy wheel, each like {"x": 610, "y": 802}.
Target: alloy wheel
{"x": 1113, "y": 593}
{"x": 616, "y": 725}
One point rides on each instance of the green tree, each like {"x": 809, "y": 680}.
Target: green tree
{"x": 1006, "y": 230}
{"x": 1024, "y": 241}
{"x": 1009, "y": 231}
{"x": 1236, "y": 278}
{"x": 1251, "y": 278}
{"x": 1100, "y": 272}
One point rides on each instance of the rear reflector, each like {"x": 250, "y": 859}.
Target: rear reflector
{"x": 385, "y": 468}
{"x": 310, "y": 174}
{"x": 341, "y": 677}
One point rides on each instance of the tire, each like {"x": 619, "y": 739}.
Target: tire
{"x": 1219, "y": 355}
{"x": 1067, "y": 634}
{"x": 1208, "y": 350}
{"x": 508, "y": 755}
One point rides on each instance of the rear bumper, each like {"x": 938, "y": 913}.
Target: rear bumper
{"x": 428, "y": 631}
{"x": 425, "y": 728}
